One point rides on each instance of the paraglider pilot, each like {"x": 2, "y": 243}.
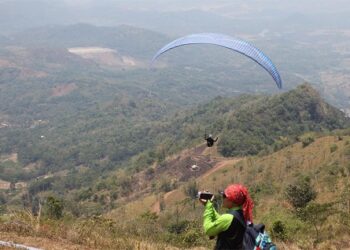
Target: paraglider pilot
{"x": 210, "y": 140}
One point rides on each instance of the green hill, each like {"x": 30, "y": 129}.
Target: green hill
{"x": 101, "y": 150}
{"x": 258, "y": 124}
{"x": 277, "y": 121}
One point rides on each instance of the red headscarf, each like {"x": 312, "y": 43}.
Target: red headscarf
{"x": 239, "y": 195}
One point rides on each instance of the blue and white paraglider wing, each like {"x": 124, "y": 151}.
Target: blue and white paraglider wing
{"x": 227, "y": 42}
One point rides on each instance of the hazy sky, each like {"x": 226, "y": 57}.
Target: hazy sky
{"x": 220, "y": 6}
{"x": 16, "y": 15}
{"x": 304, "y": 6}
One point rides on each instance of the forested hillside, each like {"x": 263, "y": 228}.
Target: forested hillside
{"x": 277, "y": 122}
{"x": 99, "y": 151}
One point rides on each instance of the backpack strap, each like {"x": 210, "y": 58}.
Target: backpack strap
{"x": 238, "y": 216}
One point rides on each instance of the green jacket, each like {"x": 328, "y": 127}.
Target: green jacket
{"x": 213, "y": 222}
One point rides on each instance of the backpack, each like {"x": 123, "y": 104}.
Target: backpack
{"x": 255, "y": 237}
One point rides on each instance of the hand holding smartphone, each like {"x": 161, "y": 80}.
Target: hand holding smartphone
{"x": 205, "y": 195}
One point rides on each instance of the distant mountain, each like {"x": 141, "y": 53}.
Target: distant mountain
{"x": 48, "y": 59}
{"x": 176, "y": 22}
{"x": 173, "y": 18}
{"x": 17, "y": 15}
{"x": 125, "y": 39}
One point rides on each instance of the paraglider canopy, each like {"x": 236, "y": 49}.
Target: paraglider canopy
{"x": 237, "y": 45}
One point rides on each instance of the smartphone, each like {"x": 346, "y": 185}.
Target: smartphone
{"x": 205, "y": 195}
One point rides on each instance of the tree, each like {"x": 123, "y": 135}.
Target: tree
{"x": 316, "y": 214}
{"x": 300, "y": 193}
{"x": 54, "y": 207}
{"x": 191, "y": 190}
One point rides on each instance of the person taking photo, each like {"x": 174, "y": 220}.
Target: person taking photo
{"x": 229, "y": 228}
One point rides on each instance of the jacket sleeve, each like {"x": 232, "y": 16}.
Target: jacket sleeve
{"x": 213, "y": 222}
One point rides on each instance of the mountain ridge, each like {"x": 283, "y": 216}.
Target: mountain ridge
{"x": 125, "y": 39}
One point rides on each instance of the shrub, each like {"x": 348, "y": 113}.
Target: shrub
{"x": 334, "y": 168}
{"x": 191, "y": 189}
{"x": 300, "y": 193}
{"x": 54, "y": 208}
{"x": 165, "y": 186}
{"x": 192, "y": 236}
{"x": 333, "y": 148}
{"x": 279, "y": 230}
{"x": 306, "y": 141}
{"x": 178, "y": 227}
{"x": 149, "y": 216}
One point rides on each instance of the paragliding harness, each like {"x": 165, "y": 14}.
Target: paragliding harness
{"x": 255, "y": 237}
{"x": 210, "y": 140}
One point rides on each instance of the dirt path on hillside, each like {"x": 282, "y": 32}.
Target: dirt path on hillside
{"x": 169, "y": 193}
{"x": 11, "y": 245}
{"x": 156, "y": 206}
{"x": 12, "y": 157}
{"x": 220, "y": 165}
{"x": 41, "y": 243}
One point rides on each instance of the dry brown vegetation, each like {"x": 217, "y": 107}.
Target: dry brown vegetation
{"x": 94, "y": 233}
